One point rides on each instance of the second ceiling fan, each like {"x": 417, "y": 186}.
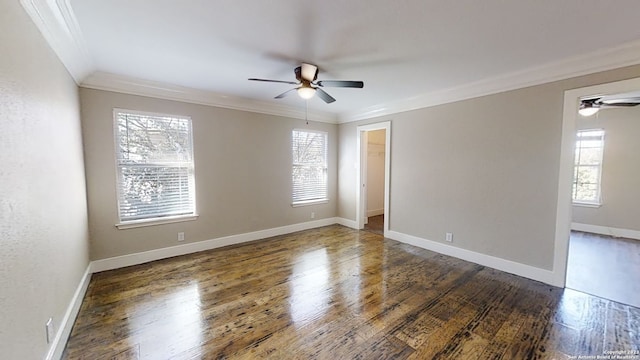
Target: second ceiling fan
{"x": 307, "y": 74}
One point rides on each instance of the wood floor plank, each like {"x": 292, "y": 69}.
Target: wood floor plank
{"x": 337, "y": 293}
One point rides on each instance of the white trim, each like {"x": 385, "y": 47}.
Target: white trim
{"x": 586, "y": 204}
{"x": 375, "y": 212}
{"x": 606, "y": 230}
{"x": 163, "y": 253}
{"x": 309, "y": 202}
{"x": 133, "y": 86}
{"x": 596, "y": 61}
{"x": 509, "y": 266}
{"x": 347, "y": 222}
{"x": 361, "y": 172}
{"x": 565, "y": 177}
{"x": 66, "y": 324}
{"x": 57, "y": 22}
{"x": 155, "y": 221}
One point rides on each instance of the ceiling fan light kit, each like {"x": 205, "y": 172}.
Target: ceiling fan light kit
{"x": 587, "y": 109}
{"x": 306, "y": 74}
{"x": 306, "y": 92}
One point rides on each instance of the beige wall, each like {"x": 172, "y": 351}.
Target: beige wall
{"x": 375, "y": 172}
{"x": 242, "y": 165}
{"x": 43, "y": 213}
{"x": 485, "y": 169}
{"x": 620, "y": 170}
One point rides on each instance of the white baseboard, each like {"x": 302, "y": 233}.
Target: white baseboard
{"x": 66, "y": 324}
{"x": 375, "y": 212}
{"x": 606, "y": 230}
{"x": 158, "y": 254}
{"x": 347, "y": 222}
{"x": 512, "y": 267}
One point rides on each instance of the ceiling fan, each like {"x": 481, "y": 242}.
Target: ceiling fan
{"x": 591, "y": 105}
{"x": 306, "y": 74}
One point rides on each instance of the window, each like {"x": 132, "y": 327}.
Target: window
{"x": 309, "y": 172}
{"x": 154, "y": 155}
{"x": 588, "y": 166}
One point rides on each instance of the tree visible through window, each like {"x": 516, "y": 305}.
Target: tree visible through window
{"x": 309, "y": 172}
{"x": 154, "y": 158}
{"x": 588, "y": 166}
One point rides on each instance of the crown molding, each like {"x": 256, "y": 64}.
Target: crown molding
{"x": 57, "y": 23}
{"x": 134, "y": 86}
{"x": 600, "y": 60}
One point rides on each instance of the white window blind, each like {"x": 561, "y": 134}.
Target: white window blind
{"x": 588, "y": 166}
{"x": 154, "y": 155}
{"x": 309, "y": 172}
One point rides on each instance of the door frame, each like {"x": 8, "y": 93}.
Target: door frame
{"x": 564, "y": 206}
{"x": 361, "y": 172}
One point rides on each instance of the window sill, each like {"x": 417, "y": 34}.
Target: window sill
{"x": 310, "y": 202}
{"x": 155, "y": 221}
{"x": 587, "y": 205}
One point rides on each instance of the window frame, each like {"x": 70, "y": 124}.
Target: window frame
{"x": 577, "y": 165}
{"x": 156, "y": 220}
{"x": 325, "y": 165}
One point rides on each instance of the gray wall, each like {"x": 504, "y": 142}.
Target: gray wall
{"x": 485, "y": 169}
{"x": 620, "y": 170}
{"x": 242, "y": 166}
{"x": 43, "y": 213}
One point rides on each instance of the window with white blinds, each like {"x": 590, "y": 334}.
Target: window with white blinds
{"x": 154, "y": 155}
{"x": 309, "y": 173}
{"x": 587, "y": 171}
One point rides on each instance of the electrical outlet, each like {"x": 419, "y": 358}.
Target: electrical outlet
{"x": 49, "y": 329}
{"x": 180, "y": 236}
{"x": 313, "y": 215}
{"x": 449, "y": 237}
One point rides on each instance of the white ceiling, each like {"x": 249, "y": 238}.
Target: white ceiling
{"x": 401, "y": 49}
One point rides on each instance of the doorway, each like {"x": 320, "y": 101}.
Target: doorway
{"x": 592, "y": 256}
{"x": 374, "y": 189}
{"x": 373, "y": 177}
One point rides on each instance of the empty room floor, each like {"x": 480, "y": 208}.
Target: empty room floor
{"x": 605, "y": 266}
{"x": 338, "y": 293}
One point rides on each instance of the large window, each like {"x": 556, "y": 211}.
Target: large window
{"x": 588, "y": 166}
{"x": 309, "y": 166}
{"x": 154, "y": 155}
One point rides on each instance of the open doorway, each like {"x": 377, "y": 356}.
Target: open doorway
{"x": 601, "y": 242}
{"x": 374, "y": 189}
{"x": 372, "y": 205}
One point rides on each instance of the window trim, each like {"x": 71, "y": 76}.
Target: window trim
{"x": 130, "y": 224}
{"x": 582, "y": 203}
{"x": 325, "y": 199}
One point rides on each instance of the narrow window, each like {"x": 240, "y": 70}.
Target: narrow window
{"x": 154, "y": 155}
{"x": 309, "y": 173}
{"x": 588, "y": 166}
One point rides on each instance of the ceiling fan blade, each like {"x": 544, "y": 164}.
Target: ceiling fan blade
{"x": 630, "y": 101}
{"x": 617, "y": 104}
{"x": 284, "y": 94}
{"x": 324, "y": 96}
{"x": 309, "y": 72}
{"x": 275, "y": 81}
{"x": 341, "y": 83}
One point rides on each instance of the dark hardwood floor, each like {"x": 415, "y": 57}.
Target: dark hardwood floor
{"x": 375, "y": 224}
{"x": 337, "y": 293}
{"x": 605, "y": 266}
